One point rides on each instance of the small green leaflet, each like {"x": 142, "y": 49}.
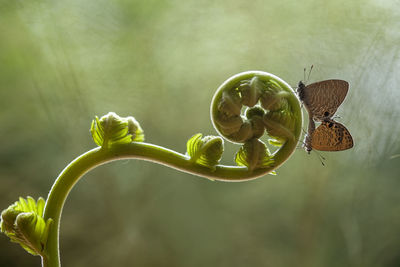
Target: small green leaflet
{"x": 276, "y": 142}
{"x": 205, "y": 151}
{"x": 23, "y": 223}
{"x": 112, "y": 129}
{"x": 254, "y": 154}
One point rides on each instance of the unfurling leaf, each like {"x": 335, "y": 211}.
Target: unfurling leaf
{"x": 206, "y": 151}
{"x": 112, "y": 129}
{"x": 254, "y": 154}
{"x": 230, "y": 103}
{"x": 23, "y": 223}
{"x": 280, "y": 125}
{"x": 251, "y": 91}
{"x": 273, "y": 97}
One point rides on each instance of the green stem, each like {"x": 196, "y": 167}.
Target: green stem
{"x": 95, "y": 157}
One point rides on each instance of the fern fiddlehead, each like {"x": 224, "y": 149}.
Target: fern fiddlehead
{"x": 243, "y": 108}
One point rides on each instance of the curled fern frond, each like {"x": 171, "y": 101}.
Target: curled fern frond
{"x": 23, "y": 223}
{"x": 251, "y": 90}
{"x": 273, "y": 97}
{"x": 205, "y": 151}
{"x": 231, "y": 103}
{"x": 254, "y": 154}
{"x": 280, "y": 125}
{"x": 112, "y": 129}
{"x": 269, "y": 105}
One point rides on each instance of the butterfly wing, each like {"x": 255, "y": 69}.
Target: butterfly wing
{"x": 331, "y": 136}
{"x": 323, "y": 98}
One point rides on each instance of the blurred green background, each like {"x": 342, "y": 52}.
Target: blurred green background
{"x": 63, "y": 62}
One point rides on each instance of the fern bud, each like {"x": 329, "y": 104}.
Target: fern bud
{"x": 206, "y": 151}
{"x": 273, "y": 97}
{"x": 24, "y": 224}
{"x": 230, "y": 103}
{"x": 254, "y": 154}
{"x": 251, "y": 91}
{"x": 112, "y": 129}
{"x": 279, "y": 125}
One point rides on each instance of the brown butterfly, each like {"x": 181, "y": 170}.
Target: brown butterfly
{"x": 322, "y": 99}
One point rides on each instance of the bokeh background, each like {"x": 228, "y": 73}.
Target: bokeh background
{"x": 63, "y": 62}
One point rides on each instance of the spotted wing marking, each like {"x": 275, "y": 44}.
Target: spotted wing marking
{"x": 331, "y": 136}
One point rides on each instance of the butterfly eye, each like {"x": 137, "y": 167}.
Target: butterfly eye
{"x": 326, "y": 114}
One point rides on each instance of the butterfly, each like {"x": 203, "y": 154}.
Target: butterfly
{"x": 321, "y": 100}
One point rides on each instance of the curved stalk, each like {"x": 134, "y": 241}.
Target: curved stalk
{"x": 121, "y": 138}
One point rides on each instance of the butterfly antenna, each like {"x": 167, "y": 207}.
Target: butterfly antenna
{"x": 304, "y": 75}
{"x": 321, "y": 158}
{"x": 309, "y": 73}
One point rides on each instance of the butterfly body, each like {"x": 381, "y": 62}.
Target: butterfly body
{"x": 321, "y": 100}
